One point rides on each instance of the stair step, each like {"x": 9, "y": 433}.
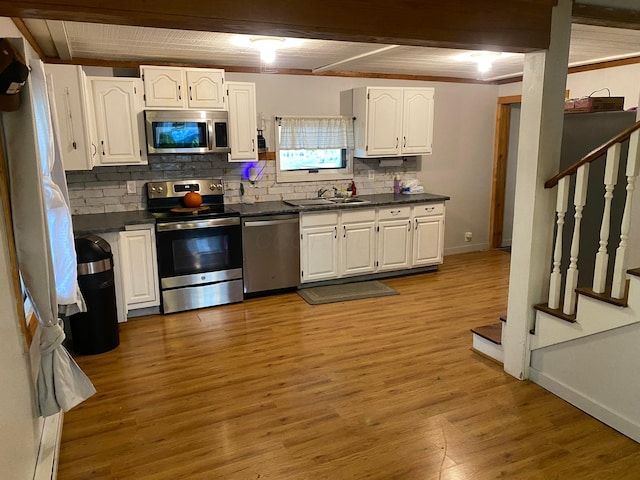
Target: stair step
{"x": 606, "y": 296}
{"x": 556, "y": 312}
{"x": 492, "y": 332}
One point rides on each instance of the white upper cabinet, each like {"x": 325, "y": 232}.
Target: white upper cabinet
{"x": 384, "y": 121}
{"x": 173, "y": 87}
{"x": 205, "y": 89}
{"x": 72, "y": 116}
{"x": 391, "y": 121}
{"x": 242, "y": 121}
{"x": 118, "y": 120}
{"x": 417, "y": 121}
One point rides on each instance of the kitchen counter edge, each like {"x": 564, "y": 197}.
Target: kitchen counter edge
{"x": 117, "y": 221}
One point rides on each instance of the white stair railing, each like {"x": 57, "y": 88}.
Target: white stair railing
{"x": 580, "y": 171}
{"x": 618, "y": 285}
{"x": 610, "y": 180}
{"x": 555, "y": 283}
{"x": 579, "y": 201}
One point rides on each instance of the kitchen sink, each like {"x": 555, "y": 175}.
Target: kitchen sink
{"x": 348, "y": 200}
{"x": 310, "y": 202}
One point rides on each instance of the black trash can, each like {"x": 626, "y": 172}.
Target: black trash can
{"x": 96, "y": 330}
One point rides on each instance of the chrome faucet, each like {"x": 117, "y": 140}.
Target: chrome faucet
{"x": 322, "y": 191}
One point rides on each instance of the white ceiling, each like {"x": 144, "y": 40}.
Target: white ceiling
{"x": 72, "y": 40}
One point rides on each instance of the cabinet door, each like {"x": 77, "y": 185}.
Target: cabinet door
{"x": 384, "y": 121}
{"x": 319, "y": 252}
{"x": 417, "y": 121}
{"x": 428, "y": 236}
{"x": 394, "y": 240}
{"x": 117, "y": 114}
{"x": 205, "y": 88}
{"x": 163, "y": 87}
{"x": 71, "y": 120}
{"x": 138, "y": 268}
{"x": 242, "y": 121}
{"x": 358, "y": 242}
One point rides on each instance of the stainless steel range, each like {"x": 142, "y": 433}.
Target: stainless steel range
{"x": 199, "y": 249}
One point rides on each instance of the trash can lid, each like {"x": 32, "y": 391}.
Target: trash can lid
{"x": 91, "y": 248}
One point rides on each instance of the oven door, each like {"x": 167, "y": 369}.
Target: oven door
{"x": 199, "y": 262}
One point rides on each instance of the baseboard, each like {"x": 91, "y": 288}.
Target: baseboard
{"x": 49, "y": 450}
{"x": 597, "y": 410}
{"x": 472, "y": 247}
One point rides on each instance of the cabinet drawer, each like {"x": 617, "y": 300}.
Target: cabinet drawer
{"x": 359, "y": 215}
{"x": 393, "y": 212}
{"x": 318, "y": 219}
{"x": 428, "y": 209}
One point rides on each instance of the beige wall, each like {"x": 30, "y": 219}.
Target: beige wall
{"x": 19, "y": 427}
{"x": 462, "y": 160}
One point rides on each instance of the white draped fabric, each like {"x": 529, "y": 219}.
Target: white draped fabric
{"x": 316, "y": 133}
{"x": 46, "y": 253}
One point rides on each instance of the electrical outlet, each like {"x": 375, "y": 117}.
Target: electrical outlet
{"x": 468, "y": 236}
{"x": 131, "y": 186}
{"x": 372, "y": 174}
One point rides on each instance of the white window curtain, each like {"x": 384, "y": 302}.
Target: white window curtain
{"x": 44, "y": 244}
{"x": 312, "y": 133}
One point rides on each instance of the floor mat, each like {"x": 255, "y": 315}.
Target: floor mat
{"x": 345, "y": 292}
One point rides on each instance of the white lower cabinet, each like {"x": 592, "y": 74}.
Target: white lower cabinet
{"x": 345, "y": 243}
{"x": 319, "y": 246}
{"x": 428, "y": 234}
{"x": 357, "y": 243}
{"x": 394, "y": 240}
{"x": 138, "y": 267}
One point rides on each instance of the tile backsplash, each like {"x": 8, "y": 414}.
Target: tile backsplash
{"x": 104, "y": 189}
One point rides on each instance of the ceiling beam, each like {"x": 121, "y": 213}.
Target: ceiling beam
{"x": 59, "y": 37}
{"x": 606, "y": 16}
{"x": 355, "y": 57}
{"x": 507, "y": 25}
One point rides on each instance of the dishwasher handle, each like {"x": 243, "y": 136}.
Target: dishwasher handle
{"x": 268, "y": 223}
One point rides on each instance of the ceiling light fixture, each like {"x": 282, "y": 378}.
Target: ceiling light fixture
{"x": 267, "y": 47}
{"x": 485, "y": 60}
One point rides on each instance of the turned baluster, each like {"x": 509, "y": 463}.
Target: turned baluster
{"x": 579, "y": 200}
{"x": 610, "y": 180}
{"x": 620, "y": 270}
{"x": 556, "y": 276}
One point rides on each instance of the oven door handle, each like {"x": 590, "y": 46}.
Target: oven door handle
{"x": 196, "y": 224}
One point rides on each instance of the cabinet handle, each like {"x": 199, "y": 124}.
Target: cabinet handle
{"x": 190, "y": 96}
{"x": 397, "y": 142}
{"x": 335, "y": 232}
{"x": 416, "y": 224}
{"x": 405, "y": 142}
{"x": 394, "y": 212}
{"x": 179, "y": 92}
{"x": 74, "y": 145}
{"x": 102, "y": 143}
{"x": 345, "y": 231}
{"x": 253, "y": 145}
{"x": 409, "y": 228}
{"x": 95, "y": 149}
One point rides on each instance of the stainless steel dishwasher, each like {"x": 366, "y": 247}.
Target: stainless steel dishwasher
{"x": 271, "y": 252}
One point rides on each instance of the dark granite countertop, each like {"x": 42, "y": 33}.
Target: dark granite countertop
{"x": 109, "y": 222}
{"x": 113, "y": 222}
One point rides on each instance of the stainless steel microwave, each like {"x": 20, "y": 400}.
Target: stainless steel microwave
{"x": 186, "y": 131}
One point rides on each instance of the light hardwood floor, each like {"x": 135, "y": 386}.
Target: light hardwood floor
{"x": 383, "y": 388}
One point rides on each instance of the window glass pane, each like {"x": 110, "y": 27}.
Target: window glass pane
{"x": 312, "y": 159}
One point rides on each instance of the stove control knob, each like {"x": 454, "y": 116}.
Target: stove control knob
{"x": 219, "y": 186}
{"x": 212, "y": 186}
{"x": 160, "y": 189}
{"x": 153, "y": 189}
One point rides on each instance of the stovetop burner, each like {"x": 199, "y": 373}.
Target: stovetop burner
{"x": 165, "y": 199}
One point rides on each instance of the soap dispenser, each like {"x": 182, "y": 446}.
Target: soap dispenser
{"x": 353, "y": 188}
